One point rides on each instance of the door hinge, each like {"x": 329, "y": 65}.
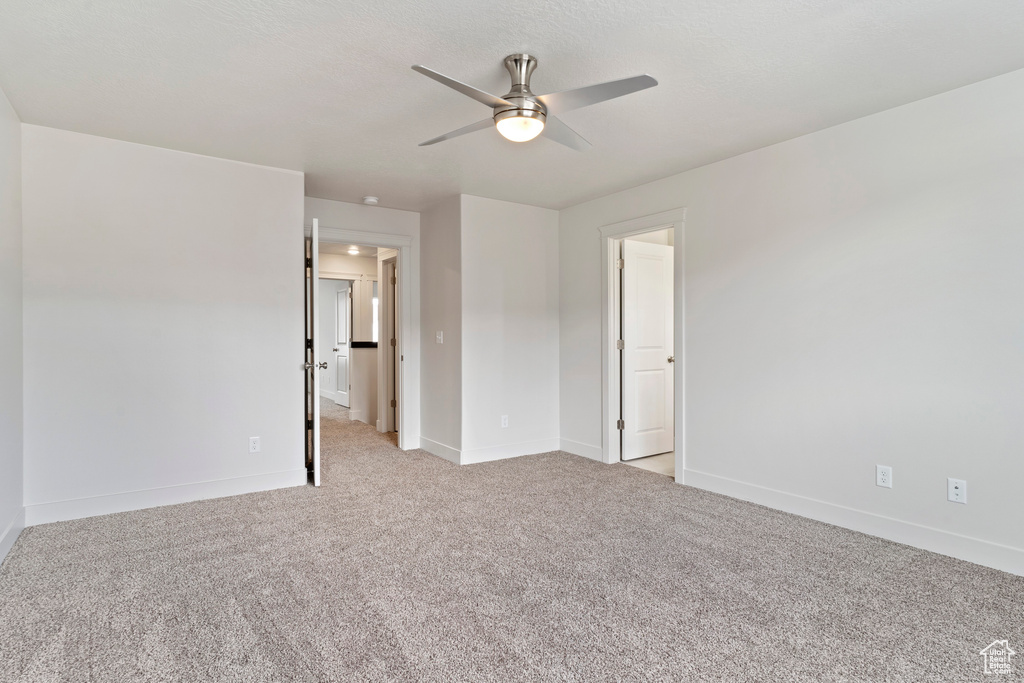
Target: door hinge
{"x": 620, "y": 424}
{"x": 309, "y": 425}
{"x": 309, "y": 344}
{"x": 620, "y": 344}
{"x": 309, "y": 262}
{"x": 394, "y": 342}
{"x": 394, "y": 280}
{"x": 392, "y": 403}
{"x": 620, "y": 263}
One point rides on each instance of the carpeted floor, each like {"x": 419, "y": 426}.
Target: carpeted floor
{"x": 403, "y": 567}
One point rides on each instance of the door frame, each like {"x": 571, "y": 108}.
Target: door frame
{"x": 389, "y": 380}
{"x": 408, "y": 301}
{"x": 611, "y": 391}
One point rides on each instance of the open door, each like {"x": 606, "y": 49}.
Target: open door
{"x": 312, "y": 364}
{"x": 648, "y": 424}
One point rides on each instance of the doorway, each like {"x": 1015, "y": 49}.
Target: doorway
{"x": 367, "y": 389}
{"x": 336, "y": 338}
{"x": 349, "y": 328}
{"x": 645, "y": 350}
{"x": 643, "y": 345}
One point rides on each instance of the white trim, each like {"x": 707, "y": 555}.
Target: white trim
{"x": 337, "y": 275}
{"x": 357, "y": 416}
{"x": 409, "y": 304}
{"x": 675, "y": 219}
{"x": 1004, "y": 558}
{"x": 581, "y": 449}
{"x": 440, "y": 450}
{"x": 44, "y": 513}
{"x": 512, "y": 450}
{"x": 11, "y": 533}
{"x": 489, "y": 454}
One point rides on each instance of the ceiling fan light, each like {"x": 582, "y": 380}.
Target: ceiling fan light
{"x": 520, "y": 128}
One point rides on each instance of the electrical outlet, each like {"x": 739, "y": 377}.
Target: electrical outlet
{"x": 504, "y": 421}
{"x": 956, "y": 490}
{"x": 440, "y": 337}
{"x": 254, "y": 444}
{"x": 883, "y": 476}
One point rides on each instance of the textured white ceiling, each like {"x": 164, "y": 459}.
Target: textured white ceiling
{"x": 324, "y": 86}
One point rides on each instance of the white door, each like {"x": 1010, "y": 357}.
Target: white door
{"x": 313, "y": 365}
{"x": 342, "y": 335}
{"x": 647, "y": 384}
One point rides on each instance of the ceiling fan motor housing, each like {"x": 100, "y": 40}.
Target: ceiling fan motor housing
{"x": 522, "y": 102}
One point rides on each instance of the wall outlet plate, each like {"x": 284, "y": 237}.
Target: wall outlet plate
{"x": 956, "y": 490}
{"x": 504, "y": 421}
{"x": 254, "y": 444}
{"x": 883, "y": 476}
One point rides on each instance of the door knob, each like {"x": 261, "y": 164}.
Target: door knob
{"x": 671, "y": 359}
{"x": 307, "y": 366}
{"x": 323, "y": 365}
{"x": 335, "y": 350}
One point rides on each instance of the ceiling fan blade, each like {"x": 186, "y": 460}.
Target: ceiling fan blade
{"x": 563, "y": 134}
{"x": 471, "y": 128}
{"x": 468, "y": 90}
{"x": 567, "y": 100}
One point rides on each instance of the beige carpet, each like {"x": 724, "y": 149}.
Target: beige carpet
{"x": 403, "y": 567}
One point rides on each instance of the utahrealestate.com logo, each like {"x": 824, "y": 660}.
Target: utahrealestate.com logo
{"x": 997, "y": 658}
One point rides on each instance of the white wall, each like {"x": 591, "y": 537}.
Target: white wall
{"x": 853, "y": 297}
{"x": 363, "y": 396}
{"x": 345, "y": 264}
{"x": 12, "y": 516}
{"x": 163, "y": 318}
{"x": 510, "y": 323}
{"x": 368, "y": 222}
{"x": 441, "y": 297}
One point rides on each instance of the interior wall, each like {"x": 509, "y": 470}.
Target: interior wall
{"x": 12, "y": 517}
{"x": 363, "y": 396}
{"x": 346, "y": 264}
{"x": 441, "y": 287}
{"x": 510, "y": 323}
{"x": 852, "y": 299}
{"x": 163, "y": 325}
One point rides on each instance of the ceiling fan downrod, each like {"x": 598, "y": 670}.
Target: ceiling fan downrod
{"x": 522, "y": 103}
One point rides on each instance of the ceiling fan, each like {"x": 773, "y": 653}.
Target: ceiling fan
{"x": 520, "y": 115}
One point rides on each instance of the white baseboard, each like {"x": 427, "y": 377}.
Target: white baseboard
{"x": 1002, "y": 557}
{"x": 581, "y": 449}
{"x": 44, "y": 513}
{"x": 10, "y": 534}
{"x": 357, "y": 415}
{"x": 471, "y": 457}
{"x": 513, "y": 450}
{"x": 440, "y": 450}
